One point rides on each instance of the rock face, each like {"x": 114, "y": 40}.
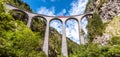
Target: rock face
{"x": 107, "y": 12}
{"x": 102, "y": 40}
{"x": 107, "y": 9}
{"x": 112, "y": 29}
{"x": 110, "y": 10}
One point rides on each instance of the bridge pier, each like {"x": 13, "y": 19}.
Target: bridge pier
{"x": 46, "y": 39}
{"x": 82, "y": 40}
{"x": 64, "y": 41}
{"x": 29, "y": 21}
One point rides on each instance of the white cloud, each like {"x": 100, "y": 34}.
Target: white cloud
{"x": 72, "y": 30}
{"x": 62, "y": 12}
{"x": 45, "y": 11}
{"x": 57, "y": 25}
{"x": 84, "y": 24}
{"x": 78, "y": 7}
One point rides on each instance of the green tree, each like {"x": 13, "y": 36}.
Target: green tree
{"x": 95, "y": 27}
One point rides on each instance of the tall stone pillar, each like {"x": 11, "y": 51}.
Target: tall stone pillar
{"x": 29, "y": 20}
{"x": 82, "y": 40}
{"x": 64, "y": 41}
{"x": 79, "y": 32}
{"x": 46, "y": 39}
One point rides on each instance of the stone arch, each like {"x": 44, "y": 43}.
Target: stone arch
{"x": 69, "y": 48}
{"x": 40, "y": 17}
{"x": 56, "y": 19}
{"x": 38, "y": 24}
{"x": 84, "y": 15}
{"x": 39, "y": 20}
{"x": 19, "y": 15}
{"x": 71, "y": 18}
{"x": 55, "y": 38}
{"x": 83, "y": 30}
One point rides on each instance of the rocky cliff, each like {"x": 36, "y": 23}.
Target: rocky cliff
{"x": 107, "y": 10}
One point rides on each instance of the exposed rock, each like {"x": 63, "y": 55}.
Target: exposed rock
{"x": 107, "y": 9}
{"x": 110, "y": 10}
{"x": 112, "y": 29}
{"x": 102, "y": 40}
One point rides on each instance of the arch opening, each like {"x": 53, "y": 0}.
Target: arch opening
{"x": 84, "y": 24}
{"x": 19, "y": 15}
{"x": 38, "y": 25}
{"x": 72, "y": 34}
{"x": 55, "y": 39}
{"x": 84, "y": 30}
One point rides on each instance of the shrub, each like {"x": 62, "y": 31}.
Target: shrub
{"x": 115, "y": 40}
{"x": 95, "y": 27}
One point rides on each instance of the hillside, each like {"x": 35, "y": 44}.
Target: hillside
{"x": 17, "y": 40}
{"x": 106, "y": 10}
{"x": 103, "y": 30}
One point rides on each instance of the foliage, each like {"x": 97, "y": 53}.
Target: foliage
{"x": 20, "y": 4}
{"x": 95, "y": 27}
{"x": 19, "y": 39}
{"x": 95, "y": 50}
{"x": 2, "y": 8}
{"x": 38, "y": 25}
{"x": 95, "y": 6}
{"x": 112, "y": 27}
{"x": 16, "y": 40}
{"x": 115, "y": 40}
{"x": 55, "y": 41}
{"x": 21, "y": 16}
{"x": 88, "y": 5}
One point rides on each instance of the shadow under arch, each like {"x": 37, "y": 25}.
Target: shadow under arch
{"x": 19, "y": 15}
{"x": 40, "y": 17}
{"x": 56, "y": 19}
{"x": 71, "y": 18}
{"x": 84, "y": 22}
{"x": 55, "y": 37}
{"x": 38, "y": 25}
{"x": 86, "y": 15}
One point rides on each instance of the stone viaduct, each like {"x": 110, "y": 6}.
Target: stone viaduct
{"x": 50, "y": 18}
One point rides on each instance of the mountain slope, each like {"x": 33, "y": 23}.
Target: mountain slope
{"x": 107, "y": 11}
{"x": 22, "y": 41}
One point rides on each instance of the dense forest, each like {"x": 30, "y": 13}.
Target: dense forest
{"x": 17, "y": 40}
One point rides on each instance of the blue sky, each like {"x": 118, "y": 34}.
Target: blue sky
{"x": 61, "y": 8}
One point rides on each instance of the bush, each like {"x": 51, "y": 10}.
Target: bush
{"x": 21, "y": 42}
{"x": 16, "y": 39}
{"x": 115, "y": 40}
{"x": 95, "y": 27}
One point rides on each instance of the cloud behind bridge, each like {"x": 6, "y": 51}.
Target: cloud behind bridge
{"x": 77, "y": 7}
{"x": 62, "y": 8}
